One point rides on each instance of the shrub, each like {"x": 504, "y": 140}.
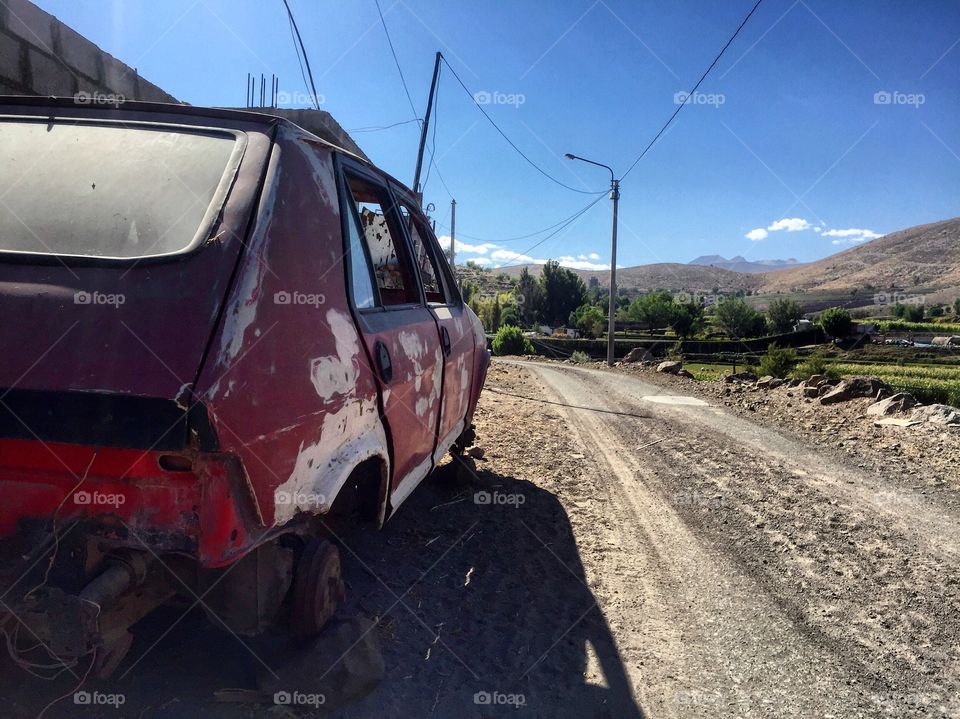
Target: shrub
{"x": 509, "y": 340}
{"x": 777, "y": 362}
{"x": 836, "y": 322}
{"x": 579, "y": 357}
{"x": 815, "y": 364}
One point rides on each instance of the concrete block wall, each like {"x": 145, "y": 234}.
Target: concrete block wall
{"x": 39, "y": 55}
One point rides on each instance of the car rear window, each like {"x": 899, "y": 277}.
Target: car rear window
{"x": 109, "y": 191}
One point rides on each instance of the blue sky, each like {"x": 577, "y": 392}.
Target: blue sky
{"x": 787, "y": 150}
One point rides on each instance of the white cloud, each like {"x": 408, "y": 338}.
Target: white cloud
{"x": 462, "y": 246}
{"x": 790, "y": 224}
{"x": 757, "y": 234}
{"x": 853, "y": 233}
{"x": 502, "y": 255}
{"x": 580, "y": 263}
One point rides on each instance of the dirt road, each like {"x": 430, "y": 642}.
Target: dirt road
{"x": 751, "y": 575}
{"x": 620, "y": 550}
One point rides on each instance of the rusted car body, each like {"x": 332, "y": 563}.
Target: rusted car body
{"x": 219, "y": 332}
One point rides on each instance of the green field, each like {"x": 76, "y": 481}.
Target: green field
{"x": 928, "y": 383}
{"x": 939, "y": 328}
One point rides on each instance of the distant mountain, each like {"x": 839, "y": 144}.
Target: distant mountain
{"x": 742, "y": 264}
{"x": 665, "y": 275}
{"x": 923, "y": 259}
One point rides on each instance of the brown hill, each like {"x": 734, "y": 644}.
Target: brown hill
{"x": 923, "y": 259}
{"x": 667, "y": 275}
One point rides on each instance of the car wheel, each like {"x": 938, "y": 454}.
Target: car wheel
{"x": 317, "y": 587}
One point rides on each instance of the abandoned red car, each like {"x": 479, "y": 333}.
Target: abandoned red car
{"x": 220, "y": 334}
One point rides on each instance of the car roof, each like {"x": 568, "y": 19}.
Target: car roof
{"x": 255, "y": 116}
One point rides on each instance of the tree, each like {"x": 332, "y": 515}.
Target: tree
{"x": 563, "y": 291}
{"x": 656, "y": 309}
{"x": 510, "y": 313}
{"x": 510, "y": 341}
{"x": 687, "y": 318}
{"x": 529, "y": 298}
{"x": 589, "y": 320}
{"x": 783, "y": 315}
{"x": 738, "y": 319}
{"x": 956, "y": 307}
{"x": 836, "y": 322}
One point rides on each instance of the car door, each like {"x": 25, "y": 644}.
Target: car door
{"x": 399, "y": 330}
{"x": 453, "y": 323}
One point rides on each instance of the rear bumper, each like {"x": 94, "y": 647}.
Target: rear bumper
{"x": 190, "y": 503}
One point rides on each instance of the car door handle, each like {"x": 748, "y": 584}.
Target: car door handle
{"x": 384, "y": 365}
{"x": 445, "y": 342}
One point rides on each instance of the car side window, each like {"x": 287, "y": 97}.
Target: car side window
{"x": 424, "y": 259}
{"x": 370, "y": 206}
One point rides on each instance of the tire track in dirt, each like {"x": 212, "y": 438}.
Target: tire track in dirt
{"x": 752, "y": 583}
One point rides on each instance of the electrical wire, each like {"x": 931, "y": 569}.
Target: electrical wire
{"x": 396, "y": 61}
{"x": 377, "y": 128}
{"x": 510, "y": 142}
{"x": 569, "y": 222}
{"x": 693, "y": 91}
{"x": 518, "y": 237}
{"x": 306, "y": 60}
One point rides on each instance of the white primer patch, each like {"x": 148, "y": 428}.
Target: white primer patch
{"x": 337, "y": 374}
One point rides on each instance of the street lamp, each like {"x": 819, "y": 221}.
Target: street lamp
{"x": 615, "y": 196}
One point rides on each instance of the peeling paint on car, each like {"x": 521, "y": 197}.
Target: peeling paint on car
{"x": 337, "y": 374}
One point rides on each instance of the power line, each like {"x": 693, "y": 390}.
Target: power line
{"x": 395, "y": 60}
{"x": 377, "y": 128}
{"x": 306, "y": 60}
{"x": 693, "y": 91}
{"x": 566, "y": 224}
{"x": 520, "y": 237}
{"x": 512, "y": 144}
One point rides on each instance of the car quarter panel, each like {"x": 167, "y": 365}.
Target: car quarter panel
{"x": 288, "y": 384}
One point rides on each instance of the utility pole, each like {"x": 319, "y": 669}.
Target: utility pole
{"x": 612, "y": 319}
{"x": 453, "y": 237}
{"x": 424, "y": 127}
{"x": 612, "y": 310}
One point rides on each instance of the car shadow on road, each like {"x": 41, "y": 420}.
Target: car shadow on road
{"x": 482, "y": 608}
